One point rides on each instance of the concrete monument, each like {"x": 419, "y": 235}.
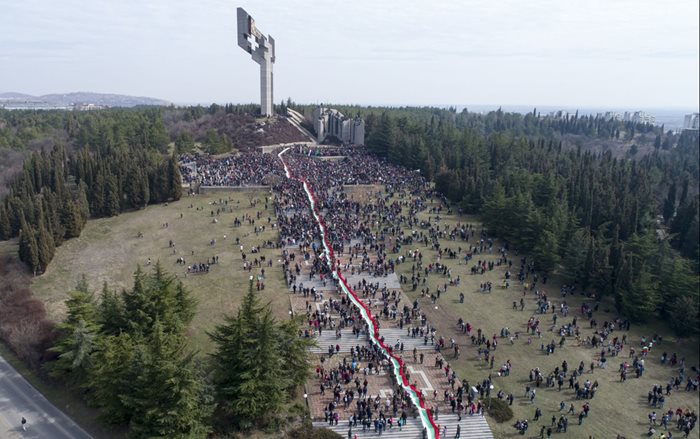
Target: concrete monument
{"x": 262, "y": 50}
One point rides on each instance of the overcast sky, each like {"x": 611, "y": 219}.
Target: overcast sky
{"x": 607, "y": 53}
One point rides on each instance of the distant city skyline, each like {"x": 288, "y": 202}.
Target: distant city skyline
{"x": 622, "y": 55}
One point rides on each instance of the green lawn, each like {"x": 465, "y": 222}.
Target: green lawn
{"x": 109, "y": 249}
{"x": 618, "y": 408}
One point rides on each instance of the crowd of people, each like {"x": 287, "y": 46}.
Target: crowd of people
{"x": 372, "y": 235}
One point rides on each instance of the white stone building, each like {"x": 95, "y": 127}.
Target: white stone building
{"x": 330, "y": 122}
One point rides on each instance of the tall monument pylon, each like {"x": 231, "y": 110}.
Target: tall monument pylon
{"x": 262, "y": 50}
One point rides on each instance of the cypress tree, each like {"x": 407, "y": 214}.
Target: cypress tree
{"x": 71, "y": 219}
{"x": 670, "y": 203}
{"x": 82, "y": 204}
{"x": 45, "y": 245}
{"x": 28, "y": 250}
{"x": 174, "y": 179}
{"x": 5, "y": 227}
{"x": 112, "y": 196}
{"x": 97, "y": 192}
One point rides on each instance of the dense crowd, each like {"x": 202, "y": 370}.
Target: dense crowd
{"x": 371, "y": 234}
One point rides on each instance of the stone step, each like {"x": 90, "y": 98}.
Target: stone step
{"x": 347, "y": 340}
{"x": 314, "y": 283}
{"x": 391, "y": 281}
{"x": 472, "y": 427}
{"x": 392, "y": 334}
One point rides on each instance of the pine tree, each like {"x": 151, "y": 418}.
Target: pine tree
{"x": 157, "y": 297}
{"x": 545, "y": 252}
{"x": 5, "y": 227}
{"x": 28, "y": 249}
{"x": 97, "y": 198}
{"x": 249, "y": 372}
{"x": 45, "y": 245}
{"x": 112, "y": 377}
{"x": 135, "y": 304}
{"x": 110, "y": 312}
{"x": 601, "y": 271}
{"x": 185, "y": 305}
{"x": 166, "y": 398}
{"x": 78, "y": 335}
{"x": 678, "y": 279}
{"x": 71, "y": 219}
{"x": 574, "y": 260}
{"x": 670, "y": 203}
{"x": 641, "y": 298}
{"x": 295, "y": 351}
{"x": 174, "y": 179}
{"x": 683, "y": 314}
{"x": 112, "y": 196}
{"x": 82, "y": 204}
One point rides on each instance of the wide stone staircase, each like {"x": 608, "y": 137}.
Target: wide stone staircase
{"x": 472, "y": 427}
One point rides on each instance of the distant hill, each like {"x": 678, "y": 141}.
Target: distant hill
{"x": 74, "y": 100}
{"x": 13, "y": 95}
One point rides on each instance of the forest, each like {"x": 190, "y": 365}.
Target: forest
{"x": 611, "y": 207}
{"x": 624, "y": 228}
{"x": 90, "y": 165}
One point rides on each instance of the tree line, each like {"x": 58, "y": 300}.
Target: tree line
{"x": 626, "y": 229}
{"x": 117, "y": 162}
{"x": 128, "y": 355}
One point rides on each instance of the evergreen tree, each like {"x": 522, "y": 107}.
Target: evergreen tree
{"x": 45, "y": 245}
{"x": 670, "y": 203}
{"x": 166, "y": 398}
{"x": 157, "y": 297}
{"x": 683, "y": 314}
{"x": 641, "y": 297}
{"x": 5, "y": 227}
{"x": 113, "y": 375}
{"x": 185, "y": 305}
{"x": 545, "y": 252}
{"x": 135, "y": 305}
{"x": 678, "y": 280}
{"x": 72, "y": 220}
{"x": 28, "y": 249}
{"x": 112, "y": 205}
{"x": 174, "y": 179}
{"x": 78, "y": 336}
{"x": 82, "y": 204}
{"x": 601, "y": 271}
{"x": 574, "y": 260}
{"x": 110, "y": 312}
{"x": 97, "y": 199}
{"x": 249, "y": 372}
{"x": 295, "y": 351}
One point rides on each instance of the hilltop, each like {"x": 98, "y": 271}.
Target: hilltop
{"x": 75, "y": 99}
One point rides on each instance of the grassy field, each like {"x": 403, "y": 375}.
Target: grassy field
{"x": 109, "y": 249}
{"x": 618, "y": 408}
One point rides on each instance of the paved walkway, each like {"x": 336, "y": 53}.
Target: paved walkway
{"x": 472, "y": 427}
{"x": 343, "y": 376}
{"x": 392, "y": 336}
